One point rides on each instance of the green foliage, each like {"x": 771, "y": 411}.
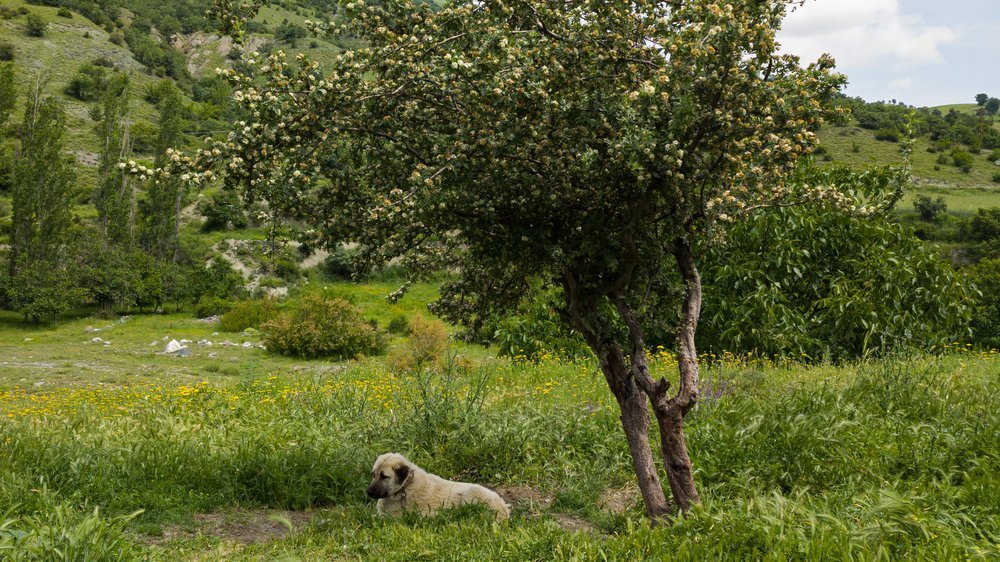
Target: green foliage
{"x": 322, "y": 327}
{"x": 986, "y": 322}
{"x": 7, "y": 51}
{"x": 890, "y": 135}
{"x": 114, "y": 198}
{"x": 64, "y": 12}
{"x": 399, "y": 326}
{"x": 38, "y": 282}
{"x": 209, "y": 306}
{"x": 961, "y": 158}
{"x": 34, "y": 25}
{"x": 89, "y": 83}
{"x": 248, "y": 314}
{"x": 981, "y": 99}
{"x": 536, "y": 330}
{"x": 62, "y": 533}
{"x": 929, "y": 209}
{"x": 340, "y": 264}
{"x": 8, "y": 91}
{"x": 992, "y": 106}
{"x": 812, "y": 281}
{"x": 223, "y": 210}
{"x": 425, "y": 346}
{"x": 985, "y": 225}
{"x": 287, "y": 268}
{"x": 217, "y": 278}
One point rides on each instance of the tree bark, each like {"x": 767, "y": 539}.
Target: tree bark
{"x": 670, "y": 413}
{"x": 635, "y": 422}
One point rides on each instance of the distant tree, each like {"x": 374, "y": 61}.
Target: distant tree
{"x": 37, "y": 283}
{"x": 8, "y": 92}
{"x": 114, "y": 196}
{"x": 165, "y": 195}
{"x": 34, "y": 25}
{"x": 981, "y": 99}
{"x": 929, "y": 209}
{"x": 992, "y": 106}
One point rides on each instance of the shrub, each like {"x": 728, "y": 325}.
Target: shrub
{"x": 65, "y": 13}
{"x": 340, "y": 264}
{"x": 994, "y": 155}
{"x": 144, "y": 135}
{"x": 89, "y": 82}
{"x": 7, "y": 52}
{"x": 942, "y": 159}
{"x": 890, "y": 135}
{"x": 322, "y": 327}
{"x": 399, "y": 326}
{"x": 996, "y": 177}
{"x": 536, "y": 330}
{"x": 211, "y": 306}
{"x": 929, "y": 209}
{"x": 248, "y": 314}
{"x": 35, "y": 26}
{"x": 986, "y": 321}
{"x": 117, "y": 37}
{"x": 962, "y": 158}
{"x": 223, "y": 210}
{"x": 287, "y": 269}
{"x": 427, "y": 343}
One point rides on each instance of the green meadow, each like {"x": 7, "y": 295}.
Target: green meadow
{"x": 119, "y": 452}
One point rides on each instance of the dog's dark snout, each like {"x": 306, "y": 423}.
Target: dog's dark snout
{"x": 375, "y": 493}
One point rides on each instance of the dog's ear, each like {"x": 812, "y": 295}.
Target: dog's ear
{"x": 402, "y": 471}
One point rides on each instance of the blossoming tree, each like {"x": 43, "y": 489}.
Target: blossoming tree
{"x": 594, "y": 145}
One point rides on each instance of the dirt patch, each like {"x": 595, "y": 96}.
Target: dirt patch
{"x": 573, "y": 523}
{"x": 524, "y": 496}
{"x": 85, "y": 158}
{"x": 243, "y": 526}
{"x": 620, "y": 500}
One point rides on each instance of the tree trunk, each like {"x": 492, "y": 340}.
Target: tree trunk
{"x": 670, "y": 413}
{"x": 635, "y": 422}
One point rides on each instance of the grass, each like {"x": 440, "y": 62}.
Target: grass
{"x": 883, "y": 460}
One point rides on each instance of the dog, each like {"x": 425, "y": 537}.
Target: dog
{"x": 400, "y": 486}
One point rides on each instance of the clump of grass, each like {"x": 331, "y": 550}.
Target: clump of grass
{"x": 426, "y": 345}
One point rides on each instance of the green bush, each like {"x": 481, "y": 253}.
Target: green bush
{"x": 211, "y": 306}
{"x": 144, "y": 135}
{"x": 322, "y": 327}
{"x": 248, "y": 314}
{"x": 890, "y": 135}
{"x": 340, "y": 263}
{"x": 536, "y": 330}
{"x": 7, "y": 51}
{"x": 399, "y": 326}
{"x": 986, "y": 321}
{"x": 928, "y": 208}
{"x": 996, "y": 177}
{"x": 35, "y": 26}
{"x": 287, "y": 268}
{"x": 65, "y": 13}
{"x": 814, "y": 281}
{"x": 962, "y": 158}
{"x": 426, "y": 346}
{"x": 223, "y": 210}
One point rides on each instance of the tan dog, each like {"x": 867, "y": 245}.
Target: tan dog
{"x": 399, "y": 486}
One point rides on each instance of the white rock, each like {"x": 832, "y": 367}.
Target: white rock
{"x": 97, "y": 340}
{"x": 173, "y": 347}
{"x": 26, "y": 340}
{"x": 212, "y": 355}
{"x": 185, "y": 342}
{"x": 91, "y": 329}
{"x": 247, "y": 344}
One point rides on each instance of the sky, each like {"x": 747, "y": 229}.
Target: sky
{"x": 920, "y": 52}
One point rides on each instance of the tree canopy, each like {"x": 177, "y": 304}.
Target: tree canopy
{"x": 596, "y": 146}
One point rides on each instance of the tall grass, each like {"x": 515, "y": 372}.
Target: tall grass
{"x": 888, "y": 460}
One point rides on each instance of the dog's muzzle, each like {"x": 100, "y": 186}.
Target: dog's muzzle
{"x": 376, "y": 492}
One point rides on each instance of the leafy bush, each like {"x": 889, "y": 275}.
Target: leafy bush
{"x": 287, "y": 268}
{"x": 340, "y": 263}
{"x": 536, "y": 330}
{"x": 322, "y": 327}
{"x": 223, "y": 210}
{"x": 88, "y": 83}
{"x": 211, "y": 306}
{"x": 985, "y": 225}
{"x": 144, "y": 135}
{"x": 65, "y": 13}
{"x": 248, "y": 314}
{"x": 814, "y": 281}
{"x": 399, "y": 326}
{"x": 986, "y": 321}
{"x": 891, "y": 135}
{"x": 426, "y": 346}
{"x": 929, "y": 209}
{"x": 35, "y": 26}
{"x": 7, "y": 51}
{"x": 962, "y": 158}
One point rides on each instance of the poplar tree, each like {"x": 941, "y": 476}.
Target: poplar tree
{"x": 39, "y": 283}
{"x": 114, "y": 196}
{"x": 165, "y": 195}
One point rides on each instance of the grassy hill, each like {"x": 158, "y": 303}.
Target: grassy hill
{"x": 964, "y": 192}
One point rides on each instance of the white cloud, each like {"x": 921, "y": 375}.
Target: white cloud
{"x": 901, "y": 84}
{"x": 862, "y": 33}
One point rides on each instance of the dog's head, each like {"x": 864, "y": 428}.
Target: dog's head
{"x": 390, "y": 475}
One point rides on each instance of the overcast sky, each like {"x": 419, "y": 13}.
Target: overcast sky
{"x": 921, "y": 52}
